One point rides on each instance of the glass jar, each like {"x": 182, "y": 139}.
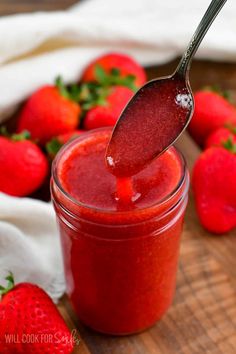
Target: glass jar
{"x": 120, "y": 267}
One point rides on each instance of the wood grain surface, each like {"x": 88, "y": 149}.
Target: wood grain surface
{"x": 202, "y": 318}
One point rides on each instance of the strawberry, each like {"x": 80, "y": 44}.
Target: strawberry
{"x": 212, "y": 111}
{"x": 23, "y": 166}
{"x": 64, "y": 138}
{"x": 30, "y": 322}
{"x": 126, "y": 65}
{"x": 220, "y": 136}
{"x": 214, "y": 188}
{"x": 50, "y": 111}
{"x": 54, "y": 145}
{"x": 107, "y": 113}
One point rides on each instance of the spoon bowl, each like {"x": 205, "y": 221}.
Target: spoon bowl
{"x": 150, "y": 123}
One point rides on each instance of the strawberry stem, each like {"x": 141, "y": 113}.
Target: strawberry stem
{"x": 10, "y": 284}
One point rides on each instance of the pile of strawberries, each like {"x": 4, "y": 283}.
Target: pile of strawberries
{"x": 213, "y": 127}
{"x": 55, "y": 114}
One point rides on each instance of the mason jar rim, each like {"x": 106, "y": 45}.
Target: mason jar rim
{"x": 70, "y": 198}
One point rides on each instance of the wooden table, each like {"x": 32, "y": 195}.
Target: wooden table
{"x": 203, "y": 316}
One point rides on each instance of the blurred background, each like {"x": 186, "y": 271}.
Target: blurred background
{"x": 217, "y": 71}
{"x": 8, "y": 7}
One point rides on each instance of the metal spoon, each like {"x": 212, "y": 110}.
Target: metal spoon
{"x": 158, "y": 113}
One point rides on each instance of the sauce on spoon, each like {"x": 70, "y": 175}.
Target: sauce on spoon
{"x": 153, "y": 119}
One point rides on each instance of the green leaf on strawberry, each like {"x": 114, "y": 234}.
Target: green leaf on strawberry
{"x": 115, "y": 65}
{"x": 53, "y": 146}
{"x": 70, "y": 92}
{"x": 229, "y": 145}
{"x": 62, "y": 87}
{"x": 94, "y": 93}
{"x": 114, "y": 78}
{"x": 10, "y": 284}
{"x": 101, "y": 75}
{"x": 24, "y": 135}
{"x": 107, "y": 115}
{"x": 116, "y": 72}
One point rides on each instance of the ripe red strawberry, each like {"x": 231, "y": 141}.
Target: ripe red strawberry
{"x": 214, "y": 188}
{"x": 108, "y": 113}
{"x": 23, "y": 166}
{"x": 212, "y": 111}
{"x": 30, "y": 323}
{"x": 124, "y": 63}
{"x": 50, "y": 111}
{"x": 54, "y": 145}
{"x": 220, "y": 136}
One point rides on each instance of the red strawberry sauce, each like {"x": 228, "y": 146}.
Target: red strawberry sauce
{"x": 120, "y": 240}
{"x": 149, "y": 124}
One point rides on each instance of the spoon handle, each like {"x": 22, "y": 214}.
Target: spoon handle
{"x": 210, "y": 15}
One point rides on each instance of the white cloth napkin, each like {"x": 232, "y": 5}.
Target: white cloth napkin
{"x": 29, "y": 244}
{"x": 35, "y": 48}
